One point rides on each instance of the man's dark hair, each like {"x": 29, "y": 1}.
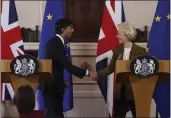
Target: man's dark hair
{"x": 62, "y": 23}
{"x": 24, "y": 99}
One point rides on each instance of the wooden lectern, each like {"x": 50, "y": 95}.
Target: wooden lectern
{"x": 142, "y": 87}
{"x": 43, "y": 75}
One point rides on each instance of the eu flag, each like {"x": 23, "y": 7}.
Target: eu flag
{"x": 68, "y": 95}
{"x": 54, "y": 10}
{"x": 159, "y": 47}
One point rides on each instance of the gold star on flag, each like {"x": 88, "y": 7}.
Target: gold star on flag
{"x": 68, "y": 45}
{"x": 168, "y": 16}
{"x": 157, "y": 18}
{"x": 49, "y": 17}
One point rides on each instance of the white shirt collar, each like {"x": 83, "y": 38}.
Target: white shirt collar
{"x": 128, "y": 48}
{"x": 60, "y": 38}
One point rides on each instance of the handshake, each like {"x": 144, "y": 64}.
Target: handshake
{"x": 92, "y": 73}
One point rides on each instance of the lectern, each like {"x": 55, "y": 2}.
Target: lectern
{"x": 142, "y": 87}
{"x": 42, "y": 76}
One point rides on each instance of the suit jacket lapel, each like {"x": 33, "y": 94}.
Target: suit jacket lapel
{"x": 131, "y": 56}
{"x": 61, "y": 43}
{"x": 120, "y": 53}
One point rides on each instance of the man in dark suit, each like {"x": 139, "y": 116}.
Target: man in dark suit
{"x": 54, "y": 49}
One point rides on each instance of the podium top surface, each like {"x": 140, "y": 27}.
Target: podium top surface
{"x": 122, "y": 70}
{"x": 44, "y": 72}
{"x": 124, "y": 66}
{"x": 44, "y": 65}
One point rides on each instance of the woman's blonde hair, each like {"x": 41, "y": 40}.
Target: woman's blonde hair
{"x": 8, "y": 109}
{"x": 128, "y": 30}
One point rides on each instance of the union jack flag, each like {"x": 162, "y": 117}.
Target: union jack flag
{"x": 11, "y": 41}
{"x": 112, "y": 15}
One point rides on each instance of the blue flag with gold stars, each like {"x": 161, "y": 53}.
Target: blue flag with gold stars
{"x": 54, "y": 10}
{"x": 159, "y": 47}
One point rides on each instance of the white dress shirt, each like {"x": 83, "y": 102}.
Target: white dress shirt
{"x": 126, "y": 53}
{"x": 60, "y": 38}
{"x": 87, "y": 72}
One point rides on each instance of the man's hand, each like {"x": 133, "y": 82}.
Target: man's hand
{"x": 93, "y": 75}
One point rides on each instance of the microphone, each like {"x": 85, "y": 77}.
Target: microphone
{"x": 120, "y": 55}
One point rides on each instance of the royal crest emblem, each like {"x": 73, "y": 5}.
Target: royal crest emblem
{"x": 24, "y": 65}
{"x": 144, "y": 66}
